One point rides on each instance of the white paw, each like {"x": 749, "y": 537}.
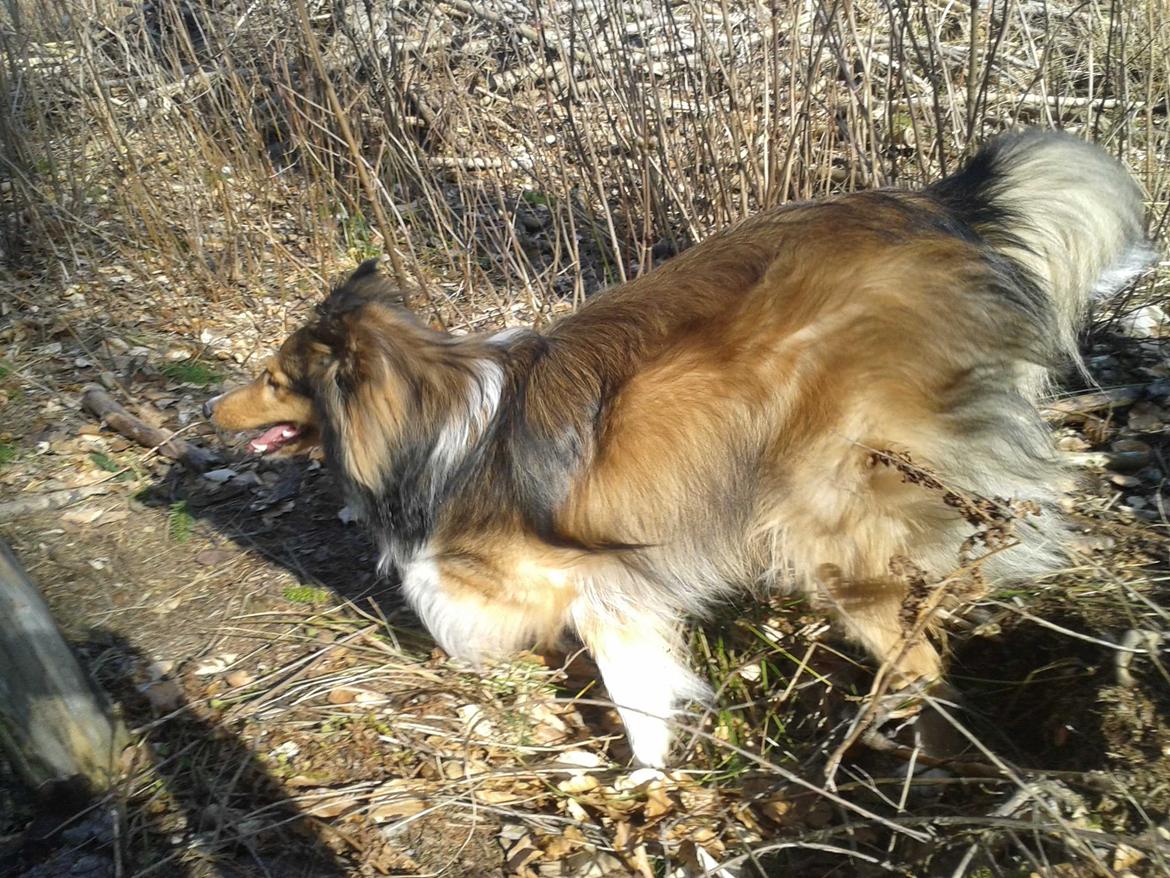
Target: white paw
{"x": 649, "y": 737}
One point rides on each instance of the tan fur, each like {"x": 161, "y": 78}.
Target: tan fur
{"x": 709, "y": 427}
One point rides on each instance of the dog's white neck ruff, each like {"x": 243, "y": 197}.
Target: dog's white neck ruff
{"x": 468, "y": 422}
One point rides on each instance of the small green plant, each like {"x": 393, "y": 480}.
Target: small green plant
{"x": 532, "y": 197}
{"x": 7, "y": 453}
{"x": 107, "y": 464}
{"x": 180, "y": 522}
{"x": 307, "y": 594}
{"x": 359, "y": 240}
{"x": 191, "y": 371}
{"x": 4, "y": 371}
{"x": 104, "y": 462}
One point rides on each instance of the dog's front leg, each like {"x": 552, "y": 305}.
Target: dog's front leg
{"x": 641, "y": 664}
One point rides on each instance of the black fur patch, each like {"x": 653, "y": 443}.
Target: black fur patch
{"x": 972, "y": 197}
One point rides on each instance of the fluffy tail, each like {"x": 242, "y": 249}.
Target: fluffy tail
{"x": 1064, "y": 210}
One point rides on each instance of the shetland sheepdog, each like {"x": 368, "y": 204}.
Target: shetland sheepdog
{"x": 723, "y": 422}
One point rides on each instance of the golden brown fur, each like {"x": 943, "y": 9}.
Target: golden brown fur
{"x": 712, "y": 425}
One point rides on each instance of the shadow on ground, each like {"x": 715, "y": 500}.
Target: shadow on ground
{"x": 197, "y": 802}
{"x": 288, "y": 511}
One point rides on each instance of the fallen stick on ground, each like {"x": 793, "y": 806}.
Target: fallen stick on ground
{"x": 104, "y": 407}
{"x": 49, "y": 500}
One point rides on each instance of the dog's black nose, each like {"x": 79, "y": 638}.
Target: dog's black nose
{"x": 208, "y": 408}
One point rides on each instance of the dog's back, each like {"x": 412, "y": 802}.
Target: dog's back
{"x": 837, "y": 396}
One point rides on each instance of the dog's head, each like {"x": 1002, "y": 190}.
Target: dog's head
{"x": 327, "y": 358}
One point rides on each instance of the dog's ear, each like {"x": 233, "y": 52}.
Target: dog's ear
{"x": 365, "y": 284}
{"x": 370, "y": 266}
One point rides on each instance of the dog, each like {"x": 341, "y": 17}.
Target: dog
{"x": 752, "y": 412}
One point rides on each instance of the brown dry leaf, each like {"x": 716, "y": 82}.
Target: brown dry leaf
{"x": 622, "y": 831}
{"x": 700, "y": 800}
{"x": 497, "y": 797}
{"x": 559, "y": 846}
{"x": 658, "y": 801}
{"x": 521, "y": 853}
{"x": 547, "y": 725}
{"x": 640, "y": 862}
{"x": 457, "y": 770}
{"x": 616, "y": 804}
{"x": 239, "y": 678}
{"x": 775, "y": 810}
{"x": 331, "y": 806}
{"x": 341, "y": 695}
{"x": 1125, "y": 857}
{"x": 396, "y": 809}
{"x": 581, "y": 783}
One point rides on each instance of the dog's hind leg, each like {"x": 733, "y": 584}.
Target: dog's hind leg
{"x": 871, "y": 612}
{"x": 640, "y": 662}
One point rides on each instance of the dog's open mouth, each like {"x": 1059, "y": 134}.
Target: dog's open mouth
{"x": 274, "y": 438}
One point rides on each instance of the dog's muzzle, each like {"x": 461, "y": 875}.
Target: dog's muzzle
{"x": 209, "y": 406}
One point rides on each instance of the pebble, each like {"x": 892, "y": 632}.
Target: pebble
{"x": 1072, "y": 443}
{"x": 1128, "y": 461}
{"x": 1145, "y": 417}
{"x": 1146, "y": 322}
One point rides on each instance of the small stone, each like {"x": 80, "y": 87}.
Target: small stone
{"x": 1124, "y": 481}
{"x": 1130, "y": 453}
{"x": 219, "y": 476}
{"x": 1148, "y": 322}
{"x": 1131, "y": 445}
{"x": 512, "y": 832}
{"x": 239, "y": 678}
{"x": 1146, "y": 417}
{"x": 1136, "y": 502}
{"x": 216, "y": 665}
{"x": 213, "y": 557}
{"x": 637, "y": 778}
{"x": 81, "y": 515}
{"x": 1093, "y": 542}
{"x": 1072, "y": 443}
{"x": 164, "y": 696}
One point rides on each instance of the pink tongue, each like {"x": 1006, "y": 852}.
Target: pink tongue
{"x": 273, "y": 438}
